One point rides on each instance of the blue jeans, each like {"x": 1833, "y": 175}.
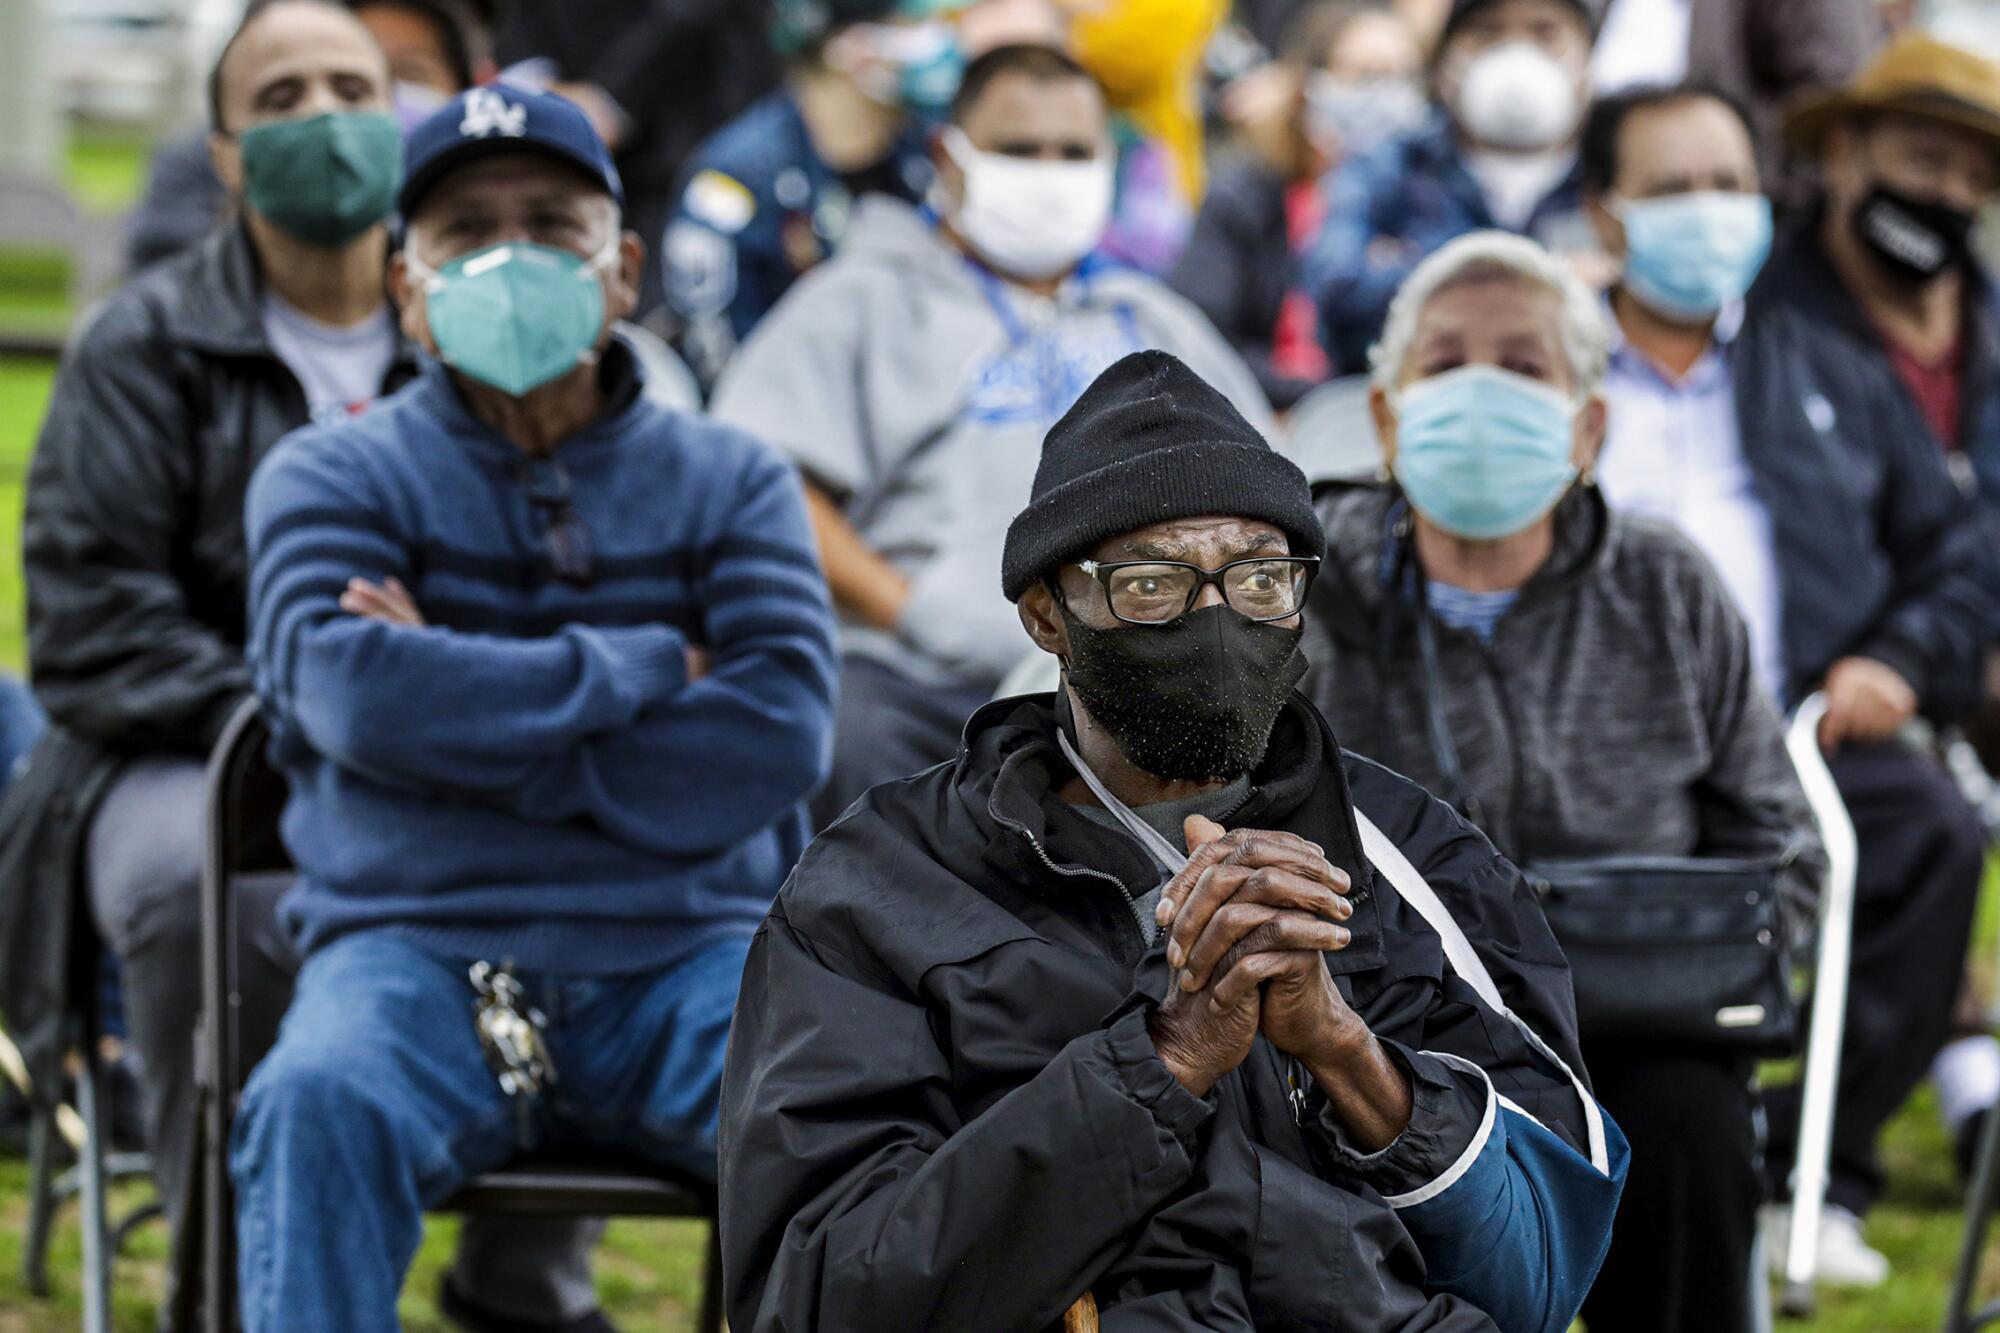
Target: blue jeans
{"x": 377, "y": 1103}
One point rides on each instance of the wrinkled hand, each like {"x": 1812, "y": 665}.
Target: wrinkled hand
{"x": 388, "y": 601}
{"x": 1199, "y": 1039}
{"x": 1250, "y": 891}
{"x": 1866, "y": 700}
{"x": 1248, "y": 914}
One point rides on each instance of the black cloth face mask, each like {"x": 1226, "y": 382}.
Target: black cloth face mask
{"x": 1916, "y": 238}
{"x": 1194, "y": 698}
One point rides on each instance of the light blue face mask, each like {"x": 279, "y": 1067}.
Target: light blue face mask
{"x": 1483, "y": 452}
{"x": 1688, "y": 255}
{"x": 929, "y": 78}
{"x": 515, "y": 315}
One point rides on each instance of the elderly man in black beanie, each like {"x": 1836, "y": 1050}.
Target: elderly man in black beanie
{"x": 1147, "y": 1006}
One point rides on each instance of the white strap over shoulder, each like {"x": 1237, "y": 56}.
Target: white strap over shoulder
{"x": 1170, "y": 857}
{"x": 1458, "y": 951}
{"x": 1415, "y": 890}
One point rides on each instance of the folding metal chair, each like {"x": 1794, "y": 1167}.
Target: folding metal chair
{"x": 245, "y": 797}
{"x": 1960, "y": 1316}
{"x": 1828, "y": 1016}
{"x": 85, "y": 1130}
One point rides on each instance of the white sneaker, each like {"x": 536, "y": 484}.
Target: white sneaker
{"x": 1845, "y": 1259}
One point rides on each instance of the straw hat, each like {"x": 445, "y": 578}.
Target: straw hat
{"x": 1916, "y": 75}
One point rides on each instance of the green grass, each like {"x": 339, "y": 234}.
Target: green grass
{"x": 648, "y": 1273}
{"x": 107, "y": 166}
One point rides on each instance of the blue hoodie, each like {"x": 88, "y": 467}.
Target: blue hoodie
{"x": 532, "y": 775}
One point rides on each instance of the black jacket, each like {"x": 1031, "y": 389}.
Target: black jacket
{"x": 1880, "y": 552}
{"x": 136, "y": 573}
{"x": 942, "y": 1109}
{"x": 1238, "y": 265}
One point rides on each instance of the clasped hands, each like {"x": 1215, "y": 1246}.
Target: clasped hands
{"x": 1247, "y": 921}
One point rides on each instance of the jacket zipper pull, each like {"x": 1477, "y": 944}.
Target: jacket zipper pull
{"x": 1296, "y": 1090}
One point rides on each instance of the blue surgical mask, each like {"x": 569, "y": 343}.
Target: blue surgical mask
{"x": 1689, "y": 255}
{"x": 930, "y": 76}
{"x": 1483, "y": 452}
{"x": 516, "y": 315}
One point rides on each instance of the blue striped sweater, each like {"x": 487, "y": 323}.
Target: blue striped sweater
{"x": 532, "y": 775}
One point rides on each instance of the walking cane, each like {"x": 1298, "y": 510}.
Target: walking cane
{"x": 1081, "y": 1317}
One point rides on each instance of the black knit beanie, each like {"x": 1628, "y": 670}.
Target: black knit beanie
{"x": 1150, "y": 441}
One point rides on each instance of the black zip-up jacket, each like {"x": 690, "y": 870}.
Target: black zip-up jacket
{"x": 942, "y": 1108}
{"x": 137, "y": 575}
{"x": 1880, "y": 552}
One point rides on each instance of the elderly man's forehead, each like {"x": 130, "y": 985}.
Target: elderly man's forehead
{"x": 1198, "y": 540}
{"x": 514, "y": 180}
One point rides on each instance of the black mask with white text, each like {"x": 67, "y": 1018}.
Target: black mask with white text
{"x": 1192, "y": 699}
{"x": 1915, "y": 238}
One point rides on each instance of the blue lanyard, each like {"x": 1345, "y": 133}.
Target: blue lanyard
{"x": 995, "y": 292}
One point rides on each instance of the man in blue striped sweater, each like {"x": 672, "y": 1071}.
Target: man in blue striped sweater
{"x": 551, "y": 672}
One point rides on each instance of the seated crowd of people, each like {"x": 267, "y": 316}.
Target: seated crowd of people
{"x": 793, "y": 545}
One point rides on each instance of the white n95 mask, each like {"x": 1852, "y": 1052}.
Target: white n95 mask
{"x": 1030, "y": 219}
{"x": 1517, "y": 96}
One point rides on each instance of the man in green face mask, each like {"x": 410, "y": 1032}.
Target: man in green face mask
{"x": 304, "y": 137}
{"x": 133, "y": 546}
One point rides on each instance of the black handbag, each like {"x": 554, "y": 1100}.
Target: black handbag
{"x": 1668, "y": 950}
{"x": 1675, "y": 950}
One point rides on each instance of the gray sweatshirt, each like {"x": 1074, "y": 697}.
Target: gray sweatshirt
{"x": 1615, "y": 713}
{"x": 915, "y": 387}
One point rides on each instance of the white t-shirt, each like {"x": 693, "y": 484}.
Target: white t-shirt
{"x": 341, "y": 369}
{"x": 1514, "y": 183}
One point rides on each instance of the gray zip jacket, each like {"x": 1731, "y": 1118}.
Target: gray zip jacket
{"x": 915, "y": 387}
{"x": 1615, "y": 713}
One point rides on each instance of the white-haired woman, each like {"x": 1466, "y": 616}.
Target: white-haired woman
{"x": 1578, "y": 684}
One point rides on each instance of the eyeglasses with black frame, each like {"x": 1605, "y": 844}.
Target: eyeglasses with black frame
{"x": 1153, "y": 592}
{"x": 564, "y": 540}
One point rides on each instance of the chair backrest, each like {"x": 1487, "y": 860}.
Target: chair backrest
{"x": 245, "y": 800}
{"x": 1331, "y": 435}
{"x": 1827, "y": 1023}
{"x": 245, "y": 797}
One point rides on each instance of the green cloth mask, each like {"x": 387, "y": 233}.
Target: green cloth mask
{"x": 515, "y": 315}
{"x": 325, "y": 179}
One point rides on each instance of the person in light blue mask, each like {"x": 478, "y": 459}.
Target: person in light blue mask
{"x": 1483, "y": 447}
{"x": 1578, "y": 684}
{"x": 1761, "y": 409}
{"x": 1674, "y": 196}
{"x": 550, "y": 668}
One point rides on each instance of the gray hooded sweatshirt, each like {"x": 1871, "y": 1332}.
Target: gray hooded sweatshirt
{"x": 915, "y": 387}
{"x": 1615, "y": 712}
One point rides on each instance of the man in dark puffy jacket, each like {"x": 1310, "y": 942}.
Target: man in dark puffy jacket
{"x": 1003, "y": 1046}
{"x": 1818, "y": 441}
{"x": 137, "y": 575}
